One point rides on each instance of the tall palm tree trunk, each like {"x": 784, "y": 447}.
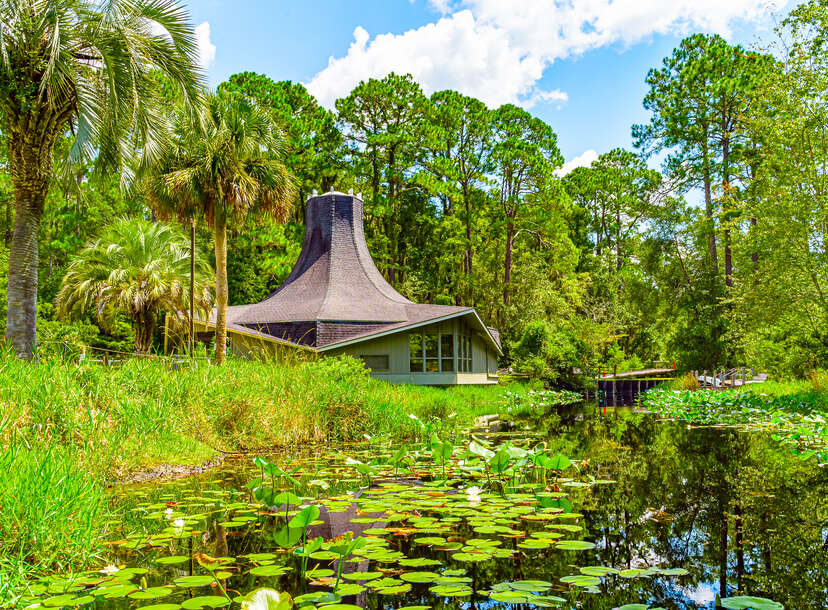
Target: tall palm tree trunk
{"x": 220, "y": 230}
{"x": 144, "y": 329}
{"x": 30, "y": 165}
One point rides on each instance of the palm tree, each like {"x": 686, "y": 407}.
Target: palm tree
{"x": 135, "y": 268}
{"x": 84, "y": 66}
{"x": 223, "y": 162}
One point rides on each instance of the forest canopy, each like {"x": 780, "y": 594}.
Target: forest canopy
{"x": 704, "y": 244}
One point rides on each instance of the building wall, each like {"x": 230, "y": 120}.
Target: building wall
{"x": 396, "y": 348}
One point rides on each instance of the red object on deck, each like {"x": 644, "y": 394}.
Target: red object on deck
{"x": 674, "y": 366}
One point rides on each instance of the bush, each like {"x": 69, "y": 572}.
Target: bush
{"x": 685, "y": 382}
{"x": 547, "y": 352}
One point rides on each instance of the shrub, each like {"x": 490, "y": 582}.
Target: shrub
{"x": 685, "y": 382}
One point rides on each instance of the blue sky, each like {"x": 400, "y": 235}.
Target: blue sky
{"x": 578, "y": 64}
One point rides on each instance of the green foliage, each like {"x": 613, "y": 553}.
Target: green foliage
{"x": 141, "y": 413}
{"x": 53, "y": 511}
{"x": 797, "y": 418}
{"x": 135, "y": 269}
{"x": 548, "y": 353}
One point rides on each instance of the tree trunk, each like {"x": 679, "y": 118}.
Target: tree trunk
{"x": 220, "y": 230}
{"x": 21, "y": 320}
{"x": 726, "y": 207}
{"x": 7, "y": 237}
{"x": 191, "y": 334}
{"x": 469, "y": 254}
{"x": 754, "y": 257}
{"x": 144, "y": 327}
{"x": 708, "y": 208}
{"x": 507, "y": 261}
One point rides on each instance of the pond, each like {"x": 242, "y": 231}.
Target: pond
{"x": 651, "y": 514}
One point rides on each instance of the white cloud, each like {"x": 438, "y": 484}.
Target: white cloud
{"x": 206, "y": 49}
{"x": 585, "y": 159}
{"x": 497, "y": 51}
{"x": 456, "y": 52}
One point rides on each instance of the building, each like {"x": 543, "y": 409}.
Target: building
{"x": 335, "y": 301}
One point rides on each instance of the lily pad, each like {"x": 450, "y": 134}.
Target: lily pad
{"x": 747, "y": 602}
{"x": 205, "y": 601}
{"x": 198, "y": 580}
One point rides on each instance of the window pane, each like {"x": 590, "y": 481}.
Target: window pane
{"x": 376, "y": 363}
{"x": 448, "y": 364}
{"x": 432, "y": 365}
{"x": 415, "y": 346}
{"x": 431, "y": 346}
{"x": 447, "y": 345}
{"x": 415, "y": 350}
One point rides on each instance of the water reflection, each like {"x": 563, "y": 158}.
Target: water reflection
{"x": 733, "y": 508}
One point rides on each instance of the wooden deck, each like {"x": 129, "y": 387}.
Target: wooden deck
{"x": 641, "y": 373}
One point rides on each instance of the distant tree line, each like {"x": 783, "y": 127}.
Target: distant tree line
{"x": 715, "y": 259}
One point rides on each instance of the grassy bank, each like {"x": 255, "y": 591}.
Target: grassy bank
{"x": 68, "y": 430}
{"x": 143, "y": 413}
{"x": 795, "y": 412}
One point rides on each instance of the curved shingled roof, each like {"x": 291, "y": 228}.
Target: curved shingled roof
{"x": 335, "y": 293}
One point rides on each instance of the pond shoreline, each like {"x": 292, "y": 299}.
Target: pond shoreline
{"x": 167, "y": 472}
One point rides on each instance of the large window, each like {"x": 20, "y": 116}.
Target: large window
{"x": 431, "y": 352}
{"x": 464, "y": 354}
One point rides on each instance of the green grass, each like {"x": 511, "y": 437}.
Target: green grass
{"x": 143, "y": 413}
{"x": 67, "y": 430}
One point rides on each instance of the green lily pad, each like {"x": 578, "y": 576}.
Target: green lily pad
{"x": 747, "y": 602}
{"x": 535, "y": 586}
{"x": 171, "y": 560}
{"x": 420, "y": 562}
{"x": 362, "y": 576}
{"x": 451, "y": 590}
{"x": 581, "y": 580}
{"x": 575, "y": 545}
{"x": 430, "y": 540}
{"x": 511, "y": 597}
{"x": 198, "y": 580}
{"x": 598, "y": 570}
{"x": 269, "y": 570}
{"x": 151, "y": 593}
{"x": 419, "y": 577}
{"x": 471, "y": 556}
{"x": 205, "y": 601}
{"x": 395, "y": 590}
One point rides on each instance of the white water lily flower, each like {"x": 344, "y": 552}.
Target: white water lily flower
{"x": 266, "y": 599}
{"x": 110, "y": 570}
{"x": 473, "y": 495}
{"x": 168, "y": 513}
{"x": 179, "y": 524}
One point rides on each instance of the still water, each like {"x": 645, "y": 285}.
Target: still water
{"x": 735, "y": 510}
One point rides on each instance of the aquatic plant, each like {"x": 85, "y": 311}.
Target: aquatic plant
{"x": 794, "y": 422}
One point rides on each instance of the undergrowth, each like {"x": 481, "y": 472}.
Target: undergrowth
{"x": 67, "y": 430}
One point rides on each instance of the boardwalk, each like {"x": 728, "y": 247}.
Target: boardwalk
{"x": 641, "y": 373}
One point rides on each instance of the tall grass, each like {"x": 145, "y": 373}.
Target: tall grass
{"x": 144, "y": 413}
{"x": 52, "y": 513}
{"x": 70, "y": 429}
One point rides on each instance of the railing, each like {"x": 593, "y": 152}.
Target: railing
{"x": 729, "y": 378}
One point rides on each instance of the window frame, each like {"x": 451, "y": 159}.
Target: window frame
{"x": 423, "y": 358}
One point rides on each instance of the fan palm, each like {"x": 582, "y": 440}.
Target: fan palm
{"x": 223, "y": 162}
{"x": 84, "y": 65}
{"x": 135, "y": 268}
